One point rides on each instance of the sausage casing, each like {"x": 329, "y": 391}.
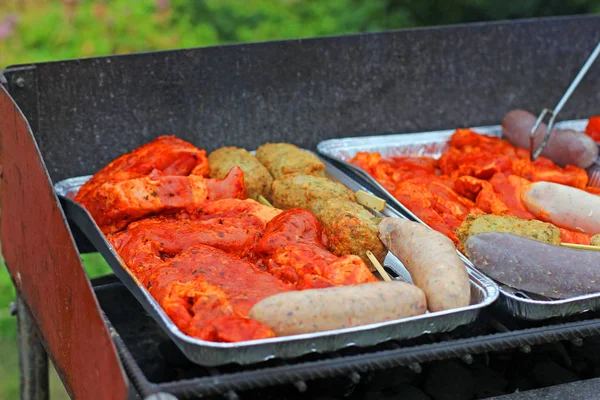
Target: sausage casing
{"x": 318, "y": 310}
{"x": 432, "y": 261}
{"x": 564, "y": 206}
{"x": 565, "y": 147}
{"x": 535, "y": 267}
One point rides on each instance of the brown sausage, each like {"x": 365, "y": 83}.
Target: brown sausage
{"x": 317, "y": 310}
{"x": 565, "y": 147}
{"x": 535, "y": 267}
{"x": 432, "y": 261}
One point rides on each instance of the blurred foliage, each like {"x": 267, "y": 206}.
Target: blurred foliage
{"x": 43, "y": 30}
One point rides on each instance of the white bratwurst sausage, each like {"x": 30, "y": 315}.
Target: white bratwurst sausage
{"x": 317, "y": 310}
{"x": 564, "y": 206}
{"x": 432, "y": 261}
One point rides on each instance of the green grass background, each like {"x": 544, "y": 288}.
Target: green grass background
{"x": 9, "y": 365}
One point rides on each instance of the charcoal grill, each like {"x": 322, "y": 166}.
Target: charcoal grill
{"x": 69, "y": 118}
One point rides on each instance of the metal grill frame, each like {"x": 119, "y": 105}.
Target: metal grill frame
{"x": 301, "y": 374}
{"x": 83, "y": 113}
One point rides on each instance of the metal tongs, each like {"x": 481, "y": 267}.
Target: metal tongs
{"x": 553, "y": 113}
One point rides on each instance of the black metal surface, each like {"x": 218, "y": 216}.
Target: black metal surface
{"x": 155, "y": 365}
{"x": 89, "y": 111}
{"x": 22, "y": 85}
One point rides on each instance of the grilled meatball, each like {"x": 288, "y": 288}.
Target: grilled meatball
{"x": 595, "y": 240}
{"x": 351, "y": 229}
{"x": 284, "y": 158}
{"x": 299, "y": 190}
{"x": 256, "y": 177}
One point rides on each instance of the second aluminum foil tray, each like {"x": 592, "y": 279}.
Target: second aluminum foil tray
{"x": 433, "y": 144}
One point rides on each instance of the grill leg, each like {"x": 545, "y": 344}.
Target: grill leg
{"x": 33, "y": 360}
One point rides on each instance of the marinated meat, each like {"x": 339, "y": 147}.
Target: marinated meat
{"x": 477, "y": 174}
{"x": 207, "y": 268}
{"x": 202, "y": 250}
{"x": 115, "y": 205}
{"x": 208, "y": 293}
{"x": 165, "y": 156}
{"x": 293, "y": 249}
{"x": 593, "y": 128}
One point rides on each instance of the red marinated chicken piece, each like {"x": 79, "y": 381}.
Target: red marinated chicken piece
{"x": 425, "y": 205}
{"x": 568, "y": 236}
{"x": 231, "y": 329}
{"x": 476, "y": 155}
{"x": 395, "y": 170}
{"x": 292, "y": 249}
{"x": 209, "y": 293}
{"x": 235, "y": 208}
{"x": 545, "y": 170}
{"x": 593, "y": 128}
{"x": 510, "y": 189}
{"x": 231, "y": 225}
{"x": 455, "y": 204}
{"x": 483, "y": 192}
{"x": 144, "y": 242}
{"x": 456, "y": 163}
{"x": 114, "y": 205}
{"x": 191, "y": 265}
{"x": 469, "y": 141}
{"x": 166, "y": 156}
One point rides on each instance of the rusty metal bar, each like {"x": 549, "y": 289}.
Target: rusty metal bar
{"x": 46, "y": 268}
{"x": 33, "y": 360}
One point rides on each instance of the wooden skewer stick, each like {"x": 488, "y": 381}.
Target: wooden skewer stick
{"x": 580, "y": 246}
{"x": 378, "y": 266}
{"x": 264, "y": 201}
{"x": 370, "y": 201}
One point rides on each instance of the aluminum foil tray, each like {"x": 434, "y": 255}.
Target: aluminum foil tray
{"x": 433, "y": 144}
{"x": 483, "y": 293}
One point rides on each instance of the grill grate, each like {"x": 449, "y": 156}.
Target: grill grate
{"x": 154, "y": 364}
